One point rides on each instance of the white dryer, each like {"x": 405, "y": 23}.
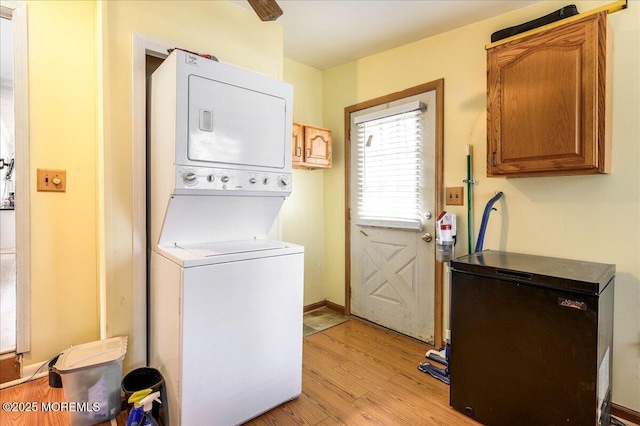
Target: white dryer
{"x": 225, "y": 302}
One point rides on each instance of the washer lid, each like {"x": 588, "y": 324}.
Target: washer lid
{"x": 205, "y": 254}
{"x": 230, "y": 247}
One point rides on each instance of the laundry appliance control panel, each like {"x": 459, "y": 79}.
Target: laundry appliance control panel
{"x": 205, "y": 178}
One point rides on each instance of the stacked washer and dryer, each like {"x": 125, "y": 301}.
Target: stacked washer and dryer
{"x": 225, "y": 301}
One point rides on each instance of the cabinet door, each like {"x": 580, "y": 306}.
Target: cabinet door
{"x": 317, "y": 144}
{"x": 546, "y": 102}
{"x": 297, "y": 145}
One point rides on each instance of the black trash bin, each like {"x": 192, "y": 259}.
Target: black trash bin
{"x": 148, "y": 378}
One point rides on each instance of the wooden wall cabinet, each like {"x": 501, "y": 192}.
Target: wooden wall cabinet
{"x": 311, "y": 147}
{"x": 549, "y": 101}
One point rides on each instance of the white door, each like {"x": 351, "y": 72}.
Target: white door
{"x": 392, "y": 207}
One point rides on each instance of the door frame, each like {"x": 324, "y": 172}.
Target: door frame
{"x": 142, "y": 47}
{"x": 17, "y": 12}
{"x": 438, "y": 86}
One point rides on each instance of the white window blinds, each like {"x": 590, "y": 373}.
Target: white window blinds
{"x": 390, "y": 167}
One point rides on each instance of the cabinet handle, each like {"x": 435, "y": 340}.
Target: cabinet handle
{"x": 493, "y": 159}
{"x": 298, "y": 152}
{"x": 514, "y": 274}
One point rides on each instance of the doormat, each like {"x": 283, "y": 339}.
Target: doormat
{"x": 320, "y": 320}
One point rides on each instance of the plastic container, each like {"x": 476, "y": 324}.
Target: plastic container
{"x": 91, "y": 375}
{"x": 444, "y": 251}
{"x": 148, "y": 378}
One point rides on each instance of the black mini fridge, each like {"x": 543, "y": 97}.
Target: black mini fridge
{"x": 531, "y": 339}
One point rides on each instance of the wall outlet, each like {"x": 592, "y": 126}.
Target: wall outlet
{"x": 454, "y": 196}
{"x": 52, "y": 180}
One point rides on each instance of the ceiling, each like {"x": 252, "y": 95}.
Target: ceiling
{"x": 326, "y": 33}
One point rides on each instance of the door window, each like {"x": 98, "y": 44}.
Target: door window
{"x": 389, "y": 166}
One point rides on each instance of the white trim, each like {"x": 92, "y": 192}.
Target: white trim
{"x": 388, "y": 112}
{"x": 27, "y": 375}
{"x": 142, "y": 46}
{"x": 18, "y": 15}
{"x": 101, "y": 200}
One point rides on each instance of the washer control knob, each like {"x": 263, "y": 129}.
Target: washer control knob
{"x": 224, "y": 179}
{"x": 283, "y": 182}
{"x": 253, "y": 180}
{"x": 265, "y": 181}
{"x": 190, "y": 178}
{"x": 211, "y": 178}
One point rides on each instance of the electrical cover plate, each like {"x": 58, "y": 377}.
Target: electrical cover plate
{"x": 52, "y": 180}
{"x": 454, "y": 196}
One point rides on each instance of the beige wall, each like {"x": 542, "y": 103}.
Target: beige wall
{"x": 80, "y": 72}
{"x": 593, "y": 218}
{"x": 62, "y": 113}
{"x": 302, "y": 215}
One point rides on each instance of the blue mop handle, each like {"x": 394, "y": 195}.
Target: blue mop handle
{"x": 485, "y": 220}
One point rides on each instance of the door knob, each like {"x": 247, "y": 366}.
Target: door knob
{"x": 427, "y": 237}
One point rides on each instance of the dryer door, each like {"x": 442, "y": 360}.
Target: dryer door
{"x": 235, "y": 126}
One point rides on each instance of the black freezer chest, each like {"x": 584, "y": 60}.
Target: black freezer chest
{"x": 531, "y": 339}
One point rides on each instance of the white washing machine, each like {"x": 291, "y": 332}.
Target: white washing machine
{"x": 226, "y": 302}
{"x": 227, "y": 332}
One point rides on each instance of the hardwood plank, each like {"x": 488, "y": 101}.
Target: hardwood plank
{"x": 357, "y": 328}
{"x": 395, "y": 390}
{"x": 422, "y": 384}
{"x": 417, "y": 409}
{"x": 409, "y": 346}
{"x": 301, "y": 411}
{"x": 38, "y": 392}
{"x": 304, "y": 411}
{"x": 347, "y": 352}
{"x": 365, "y": 375}
{"x": 354, "y": 374}
{"x": 339, "y": 382}
{"x": 378, "y": 412}
{"x": 406, "y": 395}
{"x": 339, "y": 409}
{"x": 399, "y": 361}
{"x": 346, "y": 337}
{"x": 318, "y": 354}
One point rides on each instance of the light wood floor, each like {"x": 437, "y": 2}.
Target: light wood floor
{"x": 353, "y": 374}
{"x": 357, "y": 374}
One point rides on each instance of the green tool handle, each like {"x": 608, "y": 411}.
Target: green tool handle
{"x": 469, "y": 209}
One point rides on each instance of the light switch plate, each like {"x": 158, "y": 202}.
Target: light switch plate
{"x": 454, "y": 196}
{"x": 52, "y": 180}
